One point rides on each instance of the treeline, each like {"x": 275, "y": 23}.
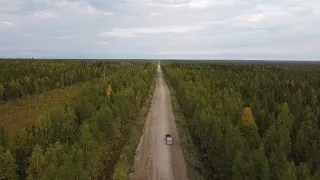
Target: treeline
{"x": 78, "y": 140}
{"x": 22, "y": 77}
{"x": 252, "y": 121}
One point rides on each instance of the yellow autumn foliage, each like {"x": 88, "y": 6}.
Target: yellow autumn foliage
{"x": 247, "y": 117}
{"x": 109, "y": 89}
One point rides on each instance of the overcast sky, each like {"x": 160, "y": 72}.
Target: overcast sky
{"x": 193, "y": 29}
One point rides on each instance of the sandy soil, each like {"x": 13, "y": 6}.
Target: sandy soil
{"x": 154, "y": 159}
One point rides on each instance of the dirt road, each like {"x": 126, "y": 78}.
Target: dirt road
{"x": 154, "y": 159}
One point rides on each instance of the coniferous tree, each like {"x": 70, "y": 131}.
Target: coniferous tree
{"x": 303, "y": 172}
{"x": 36, "y": 163}
{"x": 261, "y": 163}
{"x": 2, "y": 90}
{"x": 243, "y": 167}
{"x": 289, "y": 172}
{"x": 8, "y": 166}
{"x": 250, "y": 129}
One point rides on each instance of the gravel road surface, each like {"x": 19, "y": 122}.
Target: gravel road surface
{"x": 154, "y": 159}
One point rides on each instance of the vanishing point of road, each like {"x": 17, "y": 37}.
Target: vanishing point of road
{"x": 154, "y": 159}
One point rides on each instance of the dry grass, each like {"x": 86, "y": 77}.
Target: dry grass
{"x": 27, "y": 111}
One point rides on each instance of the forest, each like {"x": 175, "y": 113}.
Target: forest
{"x": 251, "y": 121}
{"x": 23, "y": 77}
{"x": 74, "y": 140}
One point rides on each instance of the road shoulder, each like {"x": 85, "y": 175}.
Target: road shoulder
{"x": 194, "y": 165}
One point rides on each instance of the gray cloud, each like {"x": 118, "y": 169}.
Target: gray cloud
{"x": 210, "y": 29}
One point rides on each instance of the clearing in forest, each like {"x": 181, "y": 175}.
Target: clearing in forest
{"x": 23, "y": 113}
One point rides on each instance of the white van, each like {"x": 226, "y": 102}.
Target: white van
{"x": 168, "y": 139}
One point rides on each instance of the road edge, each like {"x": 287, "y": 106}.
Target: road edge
{"x": 190, "y": 152}
{"x": 125, "y": 165}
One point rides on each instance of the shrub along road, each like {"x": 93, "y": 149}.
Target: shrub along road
{"x": 154, "y": 159}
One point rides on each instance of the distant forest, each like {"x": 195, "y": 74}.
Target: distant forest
{"x": 22, "y": 77}
{"x": 251, "y": 121}
{"x": 82, "y": 139}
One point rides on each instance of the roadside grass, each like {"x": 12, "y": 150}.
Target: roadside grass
{"x": 125, "y": 165}
{"x": 190, "y": 152}
{"x": 24, "y": 112}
